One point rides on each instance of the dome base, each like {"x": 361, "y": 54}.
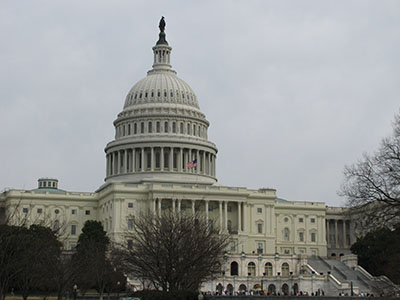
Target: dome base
{"x": 175, "y": 177}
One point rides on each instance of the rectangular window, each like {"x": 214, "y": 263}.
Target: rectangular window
{"x": 312, "y": 220}
{"x": 301, "y": 220}
{"x": 313, "y": 237}
{"x": 73, "y": 211}
{"x": 73, "y": 229}
{"x": 158, "y": 126}
{"x": 259, "y": 228}
{"x": 87, "y": 212}
{"x": 259, "y": 210}
{"x": 150, "y": 127}
{"x": 175, "y": 160}
{"x": 130, "y": 205}
{"x": 301, "y": 236}
{"x": 130, "y": 224}
{"x": 233, "y": 246}
{"x": 166, "y": 127}
{"x": 130, "y": 244}
{"x": 135, "y": 128}
{"x": 229, "y": 208}
{"x": 142, "y": 127}
{"x": 148, "y": 160}
{"x": 174, "y": 127}
{"x": 260, "y": 248}
{"x": 181, "y": 128}
{"x": 25, "y": 210}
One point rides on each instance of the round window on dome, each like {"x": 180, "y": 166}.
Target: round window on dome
{"x": 57, "y": 211}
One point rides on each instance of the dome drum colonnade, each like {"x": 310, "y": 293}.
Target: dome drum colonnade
{"x": 161, "y": 130}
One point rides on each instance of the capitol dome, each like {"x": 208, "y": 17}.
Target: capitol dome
{"x": 161, "y": 134}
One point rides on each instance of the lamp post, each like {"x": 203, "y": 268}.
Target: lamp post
{"x": 312, "y": 282}
{"x": 262, "y": 282}
{"x": 74, "y": 291}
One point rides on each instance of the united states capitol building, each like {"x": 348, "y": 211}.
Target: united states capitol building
{"x": 161, "y": 159}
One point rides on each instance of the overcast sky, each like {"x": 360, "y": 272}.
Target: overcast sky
{"x": 294, "y": 90}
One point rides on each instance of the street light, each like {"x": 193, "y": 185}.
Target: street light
{"x": 262, "y": 282}
{"x": 74, "y": 291}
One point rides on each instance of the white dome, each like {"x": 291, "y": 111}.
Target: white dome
{"x": 161, "y": 87}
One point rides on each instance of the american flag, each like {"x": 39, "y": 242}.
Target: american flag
{"x": 192, "y": 164}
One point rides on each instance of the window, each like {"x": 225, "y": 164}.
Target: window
{"x": 194, "y": 129}
{"x": 130, "y": 224}
{"x": 174, "y": 127}
{"x": 210, "y": 208}
{"x": 142, "y": 127}
{"x": 148, "y": 160}
{"x": 233, "y": 247}
{"x": 175, "y": 160}
{"x": 286, "y": 219}
{"x": 157, "y": 160}
{"x": 285, "y": 270}
{"x": 286, "y": 234}
{"x": 229, "y": 208}
{"x": 313, "y": 237}
{"x": 73, "y": 229}
{"x": 25, "y": 210}
{"x": 57, "y": 211}
{"x": 251, "y": 268}
{"x": 234, "y": 268}
{"x": 158, "y": 94}
{"x": 130, "y": 205}
{"x": 260, "y": 248}
{"x": 87, "y": 212}
{"x": 301, "y": 236}
{"x": 165, "y": 127}
{"x": 268, "y": 269}
{"x": 150, "y": 127}
{"x": 183, "y": 206}
{"x": 135, "y": 128}
{"x": 259, "y": 210}
{"x": 73, "y": 211}
{"x": 188, "y": 129}
{"x": 181, "y": 129}
{"x": 166, "y": 159}
{"x": 301, "y": 220}
{"x": 312, "y": 220}
{"x": 152, "y": 94}
{"x": 158, "y": 126}
{"x": 229, "y": 225}
{"x": 130, "y": 244}
{"x": 259, "y": 228}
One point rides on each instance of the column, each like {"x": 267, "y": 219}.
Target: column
{"x": 193, "y": 207}
{"x": 162, "y": 159}
{"x": 180, "y": 162}
{"x": 239, "y": 206}
{"x": 206, "y": 203}
{"x": 190, "y": 158}
{"x": 171, "y": 159}
{"x": 344, "y": 234}
{"x": 204, "y": 163}
{"x": 154, "y": 206}
{"x": 244, "y": 216}
{"x": 133, "y": 160}
{"x": 107, "y": 165}
{"x": 336, "y": 235}
{"x": 118, "y": 162}
{"x": 173, "y": 206}
{"x": 220, "y": 215}
{"x": 328, "y": 240}
{"x": 125, "y": 161}
{"x": 159, "y": 206}
{"x": 179, "y": 206}
{"x": 226, "y": 215}
{"x": 215, "y": 166}
{"x": 152, "y": 159}
{"x": 142, "y": 160}
{"x": 209, "y": 164}
{"x": 198, "y": 162}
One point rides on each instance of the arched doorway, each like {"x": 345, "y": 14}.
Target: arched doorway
{"x": 229, "y": 287}
{"x": 219, "y": 288}
{"x": 285, "y": 289}
{"x": 234, "y": 268}
{"x": 271, "y": 289}
{"x": 242, "y": 288}
{"x": 295, "y": 289}
{"x": 333, "y": 254}
{"x": 257, "y": 287}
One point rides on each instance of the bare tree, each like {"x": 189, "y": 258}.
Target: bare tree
{"x": 172, "y": 252}
{"x": 372, "y": 185}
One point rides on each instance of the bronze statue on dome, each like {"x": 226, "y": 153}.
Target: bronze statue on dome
{"x": 162, "y": 24}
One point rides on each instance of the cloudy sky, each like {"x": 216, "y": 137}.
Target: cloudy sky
{"x": 294, "y": 90}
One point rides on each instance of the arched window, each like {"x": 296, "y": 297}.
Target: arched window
{"x": 174, "y": 127}
{"x": 251, "y": 269}
{"x": 285, "y": 270}
{"x": 181, "y": 131}
{"x": 135, "y": 128}
{"x": 158, "y": 126}
{"x": 234, "y": 268}
{"x": 165, "y": 126}
{"x": 268, "y": 269}
{"x": 142, "y": 127}
{"x": 188, "y": 129}
{"x": 166, "y": 159}
{"x": 286, "y": 234}
{"x": 150, "y": 129}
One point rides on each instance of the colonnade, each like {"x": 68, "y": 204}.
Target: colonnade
{"x": 172, "y": 159}
{"x": 338, "y": 233}
{"x": 223, "y": 217}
